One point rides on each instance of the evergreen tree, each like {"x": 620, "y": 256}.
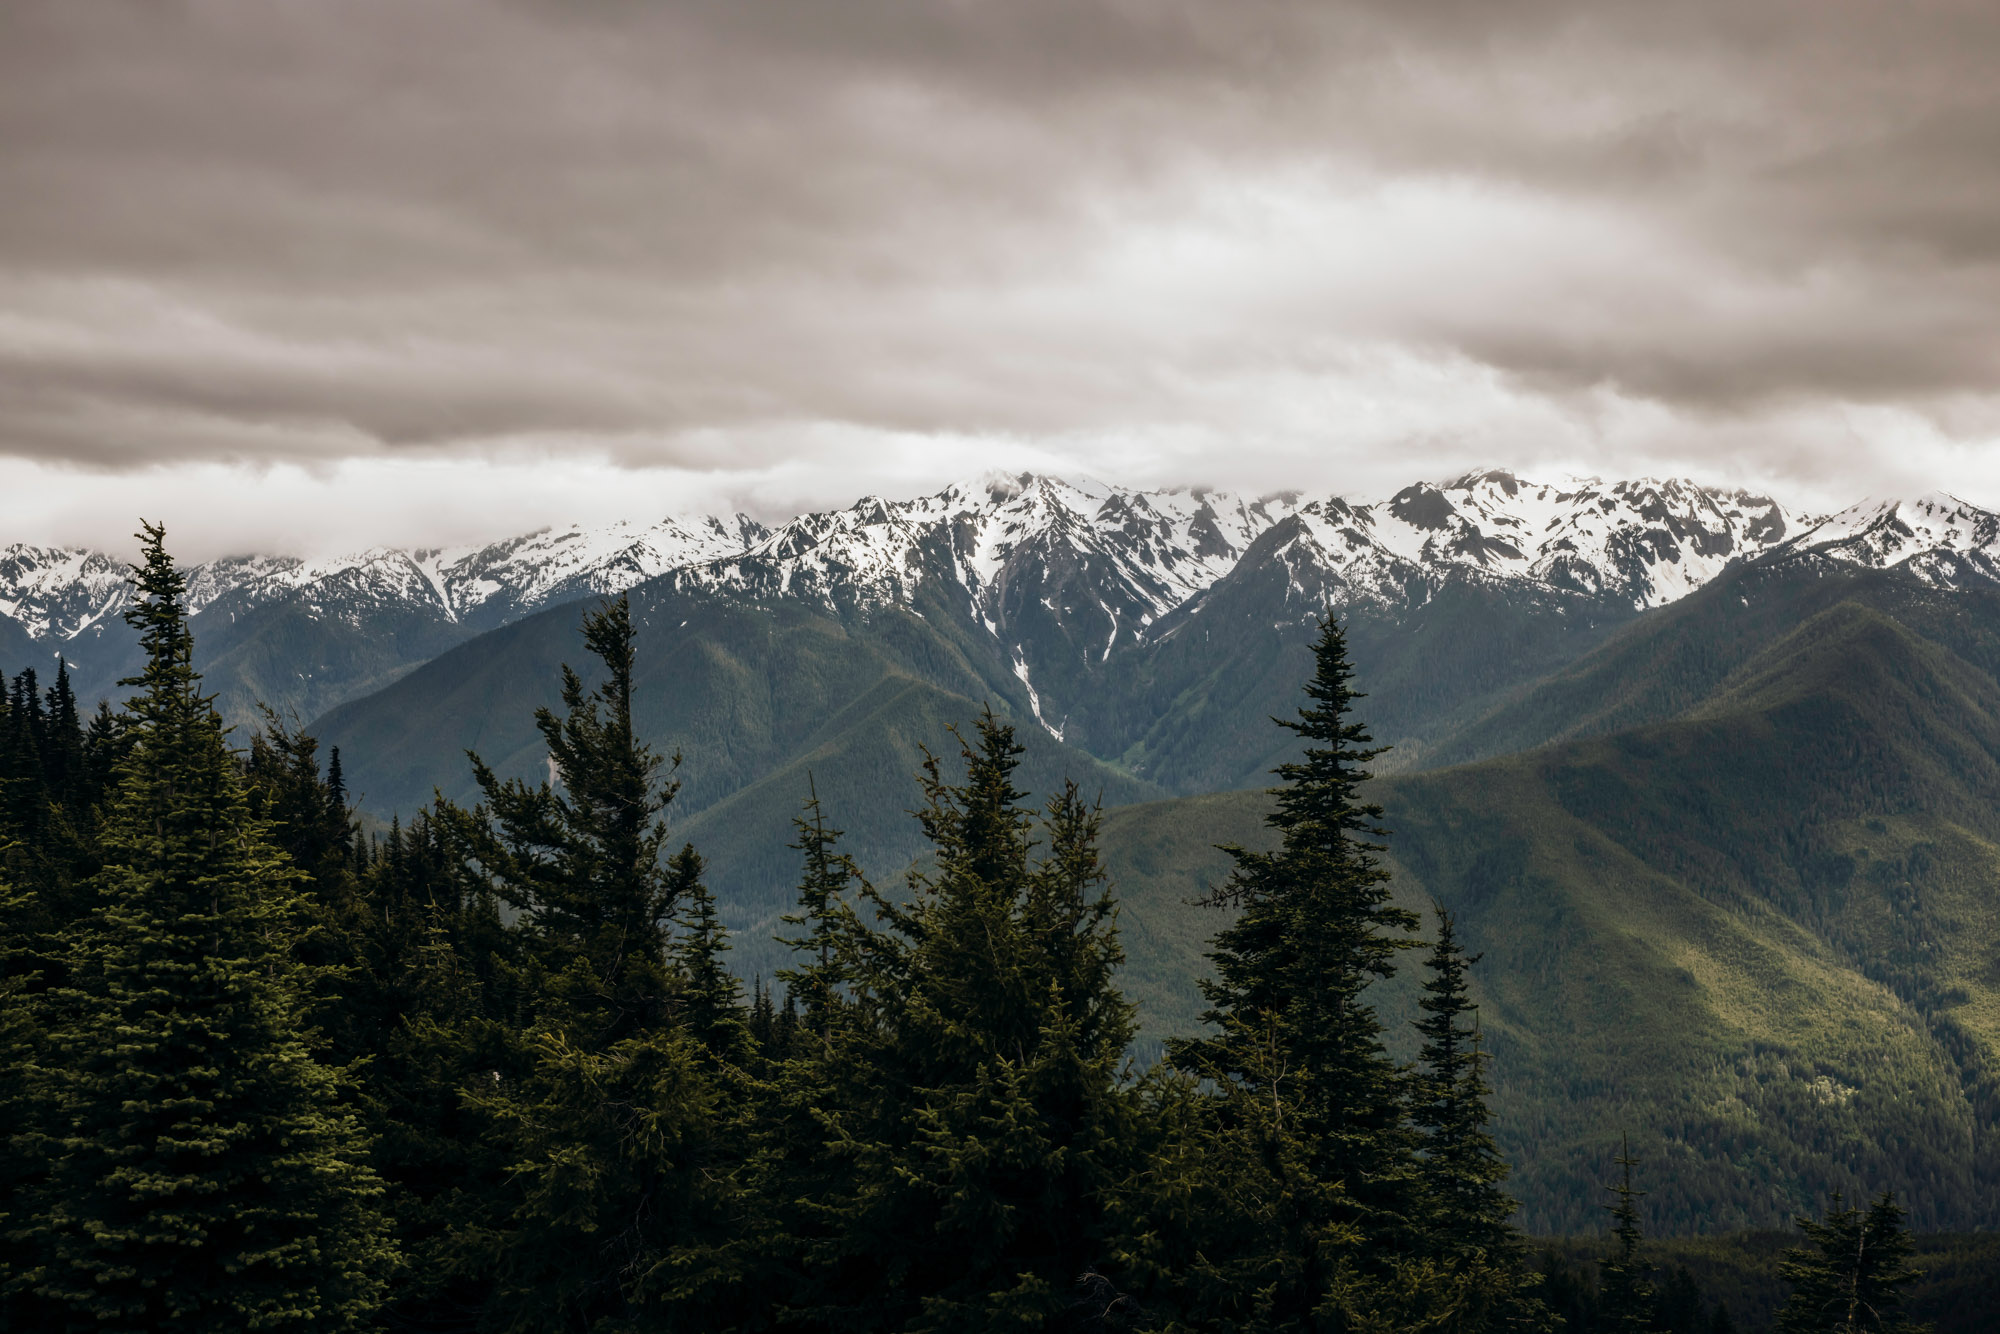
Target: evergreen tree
{"x": 23, "y": 1121}
{"x": 307, "y": 812}
{"x": 1625, "y": 1288}
{"x": 827, "y": 917}
{"x": 819, "y": 1082}
{"x": 1567, "y": 1292}
{"x": 982, "y": 1123}
{"x": 1461, "y": 1170}
{"x": 1678, "y": 1307}
{"x": 621, "y": 1112}
{"x": 709, "y": 1000}
{"x": 62, "y": 759}
{"x": 787, "y": 1029}
{"x": 1849, "y": 1278}
{"x": 206, "y": 1174}
{"x": 763, "y": 1018}
{"x": 1230, "y": 1226}
{"x": 1294, "y": 1031}
{"x": 581, "y": 861}
{"x": 433, "y": 983}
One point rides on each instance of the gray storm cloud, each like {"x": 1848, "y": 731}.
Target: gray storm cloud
{"x": 684, "y": 234}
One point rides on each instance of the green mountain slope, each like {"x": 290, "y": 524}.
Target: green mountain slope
{"x": 756, "y": 698}
{"x": 289, "y": 653}
{"x": 743, "y": 687}
{"x": 1670, "y": 660}
{"x": 1761, "y": 937}
{"x": 18, "y": 650}
{"x": 739, "y": 689}
{"x": 863, "y": 763}
{"x": 1191, "y": 708}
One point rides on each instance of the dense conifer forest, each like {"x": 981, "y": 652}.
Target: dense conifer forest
{"x": 489, "y": 1069}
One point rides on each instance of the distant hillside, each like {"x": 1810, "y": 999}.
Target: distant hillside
{"x": 1760, "y": 937}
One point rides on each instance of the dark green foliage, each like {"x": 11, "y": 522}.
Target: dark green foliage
{"x": 814, "y": 982}
{"x": 1624, "y": 1281}
{"x": 1737, "y": 1276}
{"x": 1316, "y": 928}
{"x": 581, "y": 861}
{"x": 54, "y": 777}
{"x": 307, "y": 812}
{"x": 431, "y": 993}
{"x": 1850, "y": 1276}
{"x": 205, "y": 1171}
{"x": 708, "y": 998}
{"x": 23, "y": 1141}
{"x": 1459, "y": 1174}
{"x": 975, "y": 1118}
{"x": 1678, "y": 1307}
{"x": 615, "y": 1106}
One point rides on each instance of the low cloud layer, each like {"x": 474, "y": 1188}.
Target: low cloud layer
{"x": 778, "y": 254}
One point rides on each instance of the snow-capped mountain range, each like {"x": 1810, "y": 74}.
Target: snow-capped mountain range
{"x": 1644, "y": 543}
{"x": 59, "y": 594}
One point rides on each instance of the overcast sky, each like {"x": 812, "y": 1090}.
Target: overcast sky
{"x": 313, "y": 274}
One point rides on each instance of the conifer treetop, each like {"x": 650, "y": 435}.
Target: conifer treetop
{"x": 1322, "y": 788}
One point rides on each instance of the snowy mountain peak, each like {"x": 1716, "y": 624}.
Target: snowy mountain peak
{"x": 1108, "y": 564}
{"x": 1129, "y": 554}
{"x": 59, "y": 594}
{"x": 1646, "y": 541}
{"x": 1937, "y": 537}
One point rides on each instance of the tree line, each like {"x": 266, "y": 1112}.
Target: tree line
{"x": 490, "y": 1071}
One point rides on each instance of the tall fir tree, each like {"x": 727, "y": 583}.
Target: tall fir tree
{"x": 817, "y": 1080}
{"x": 1625, "y": 1285}
{"x": 826, "y": 915}
{"x": 207, "y": 1173}
{"x": 579, "y": 857}
{"x": 63, "y": 759}
{"x": 1849, "y": 1277}
{"x": 1293, "y": 1029}
{"x": 1466, "y": 1212}
{"x": 24, "y": 1126}
{"x": 708, "y": 998}
{"x": 982, "y": 1121}
{"x": 622, "y": 1112}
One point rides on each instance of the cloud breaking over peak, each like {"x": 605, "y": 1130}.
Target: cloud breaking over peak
{"x": 779, "y": 254}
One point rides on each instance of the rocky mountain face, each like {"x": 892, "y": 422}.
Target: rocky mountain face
{"x": 303, "y": 634}
{"x": 1135, "y": 556}
{"x": 62, "y": 595}
{"x": 1071, "y": 581}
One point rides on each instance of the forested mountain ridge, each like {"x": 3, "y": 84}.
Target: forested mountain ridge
{"x": 1744, "y": 913}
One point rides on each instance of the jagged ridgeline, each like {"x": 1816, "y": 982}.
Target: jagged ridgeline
{"x": 1062, "y": 585}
